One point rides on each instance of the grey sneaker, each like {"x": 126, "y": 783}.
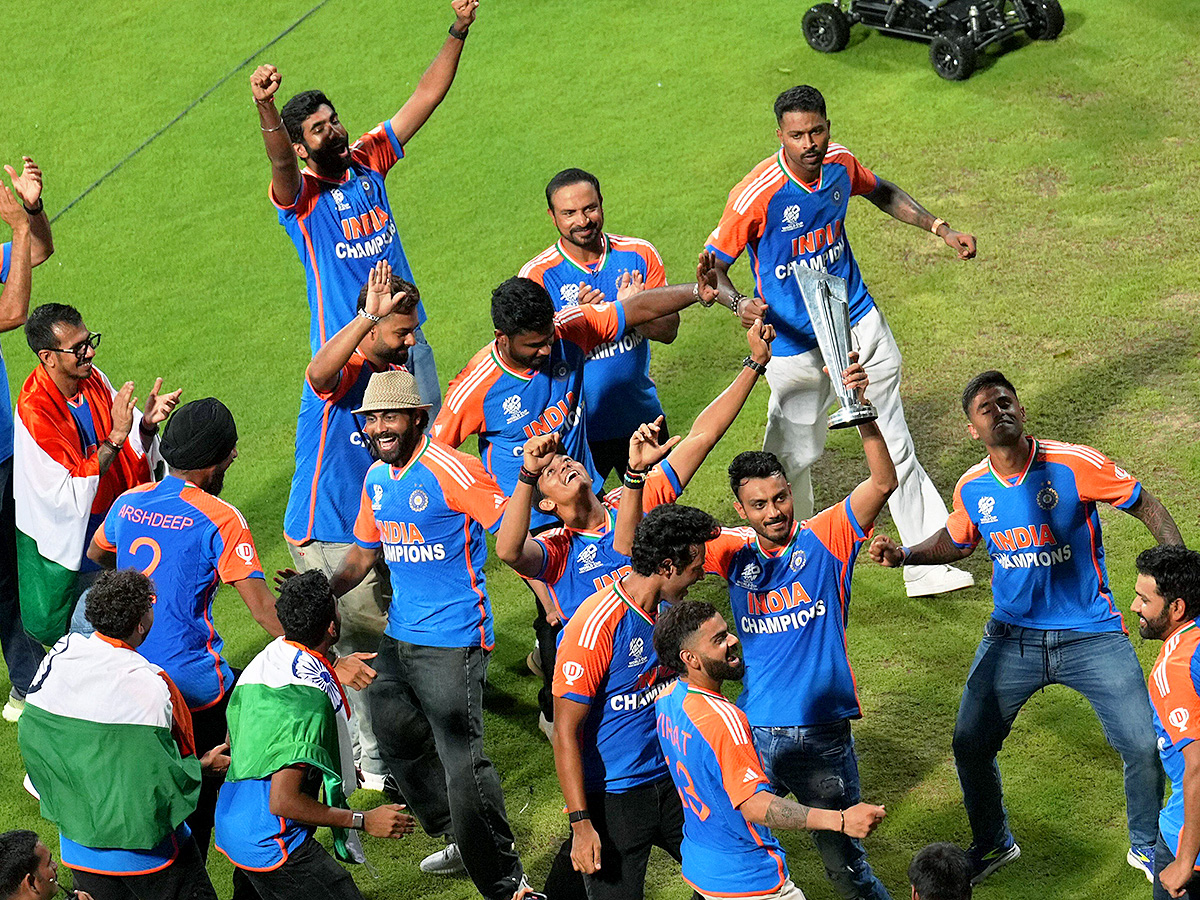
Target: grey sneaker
{"x": 447, "y": 861}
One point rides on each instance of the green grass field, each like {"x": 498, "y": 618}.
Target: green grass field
{"x": 1074, "y": 162}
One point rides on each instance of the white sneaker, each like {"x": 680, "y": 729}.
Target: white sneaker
{"x": 924, "y": 581}
{"x": 447, "y": 861}
{"x": 546, "y": 726}
{"x": 371, "y": 782}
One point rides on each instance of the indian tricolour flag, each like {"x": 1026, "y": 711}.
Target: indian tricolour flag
{"x": 288, "y": 708}
{"x": 96, "y": 737}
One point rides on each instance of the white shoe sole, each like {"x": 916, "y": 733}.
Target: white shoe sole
{"x": 935, "y": 582}
{"x": 1136, "y": 863}
{"x": 1013, "y": 852}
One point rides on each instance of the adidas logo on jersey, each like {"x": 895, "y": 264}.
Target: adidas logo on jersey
{"x": 749, "y": 777}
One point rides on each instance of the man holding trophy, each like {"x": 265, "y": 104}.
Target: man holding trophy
{"x": 790, "y": 212}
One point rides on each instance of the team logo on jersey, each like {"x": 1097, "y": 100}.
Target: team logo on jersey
{"x": 571, "y": 671}
{"x": 418, "y": 500}
{"x": 587, "y": 559}
{"x": 568, "y": 295}
{"x": 513, "y": 409}
{"x": 791, "y": 218}
{"x": 307, "y": 668}
{"x": 366, "y": 185}
{"x": 798, "y": 559}
{"x": 560, "y": 371}
{"x": 1179, "y": 718}
{"x": 1047, "y": 498}
{"x": 749, "y": 575}
{"x": 986, "y": 505}
{"x": 637, "y": 653}
{"x": 837, "y": 195}
{"x": 376, "y": 496}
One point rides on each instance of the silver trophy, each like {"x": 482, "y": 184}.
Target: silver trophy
{"x": 829, "y": 311}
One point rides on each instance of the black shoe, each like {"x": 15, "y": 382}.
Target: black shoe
{"x": 391, "y": 790}
{"x": 984, "y": 864}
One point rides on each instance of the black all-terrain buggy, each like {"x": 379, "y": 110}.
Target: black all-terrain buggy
{"x": 957, "y": 30}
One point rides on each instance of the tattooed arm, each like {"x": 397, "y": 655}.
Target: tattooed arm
{"x": 765, "y": 808}
{"x": 933, "y": 550}
{"x": 1156, "y": 518}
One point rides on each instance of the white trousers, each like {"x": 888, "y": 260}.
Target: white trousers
{"x": 797, "y": 423}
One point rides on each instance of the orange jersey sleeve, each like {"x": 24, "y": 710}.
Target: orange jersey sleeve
{"x": 366, "y": 527}
{"x": 725, "y": 729}
{"x": 586, "y": 647}
{"x": 590, "y": 325}
{"x": 719, "y": 552}
{"x": 1173, "y": 690}
{"x": 466, "y": 485}
{"x": 962, "y": 530}
{"x": 745, "y": 216}
{"x": 556, "y": 549}
{"x": 1097, "y": 477}
{"x": 462, "y": 414}
{"x": 835, "y": 528}
{"x": 238, "y": 558}
{"x": 376, "y": 150}
{"x": 862, "y": 179}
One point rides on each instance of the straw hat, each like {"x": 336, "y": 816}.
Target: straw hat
{"x": 395, "y": 389}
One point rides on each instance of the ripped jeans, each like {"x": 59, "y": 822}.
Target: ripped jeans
{"x": 817, "y": 764}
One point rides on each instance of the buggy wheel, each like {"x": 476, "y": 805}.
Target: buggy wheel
{"x": 1045, "y": 19}
{"x": 826, "y": 28}
{"x": 952, "y": 56}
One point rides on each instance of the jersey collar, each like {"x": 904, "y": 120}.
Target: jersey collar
{"x": 775, "y": 554}
{"x": 692, "y": 689}
{"x": 795, "y": 179}
{"x": 586, "y": 269}
{"x": 398, "y": 474}
{"x": 1004, "y": 482}
{"x": 610, "y": 522}
{"x": 628, "y": 601}
{"x": 527, "y": 375}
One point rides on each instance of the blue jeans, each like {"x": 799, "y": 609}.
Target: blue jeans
{"x": 427, "y": 710}
{"x": 1163, "y": 857}
{"x": 22, "y": 653}
{"x": 1013, "y": 662}
{"x": 817, "y": 763}
{"x": 424, "y": 370}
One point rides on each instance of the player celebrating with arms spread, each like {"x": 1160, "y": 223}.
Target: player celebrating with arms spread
{"x": 791, "y": 211}
{"x": 1034, "y": 504}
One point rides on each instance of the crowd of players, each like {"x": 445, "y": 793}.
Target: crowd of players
{"x": 145, "y": 745}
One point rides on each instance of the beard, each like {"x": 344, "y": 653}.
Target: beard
{"x": 1154, "y": 629}
{"x": 405, "y": 445}
{"x": 328, "y": 156}
{"x": 724, "y": 669}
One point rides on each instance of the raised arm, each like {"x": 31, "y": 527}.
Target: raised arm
{"x": 285, "y": 170}
{"x": 28, "y": 187}
{"x": 325, "y": 368}
{"x": 261, "y": 603}
{"x": 645, "y": 452}
{"x": 14, "y": 301}
{"x": 765, "y": 808}
{"x": 936, "y": 549}
{"x": 899, "y": 204}
{"x": 436, "y": 81}
{"x": 514, "y": 544}
{"x": 1155, "y": 517}
{"x": 653, "y": 304}
{"x": 867, "y": 500}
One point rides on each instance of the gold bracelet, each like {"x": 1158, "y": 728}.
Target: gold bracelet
{"x": 937, "y": 223}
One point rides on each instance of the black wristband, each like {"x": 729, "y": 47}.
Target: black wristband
{"x": 37, "y": 210}
{"x": 461, "y": 35}
{"x": 527, "y": 477}
{"x": 754, "y": 366}
{"x": 113, "y": 444}
{"x": 578, "y": 816}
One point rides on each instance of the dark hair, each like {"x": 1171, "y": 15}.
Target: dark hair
{"x": 521, "y": 304}
{"x": 801, "y": 98}
{"x": 667, "y": 534}
{"x": 299, "y": 108}
{"x": 18, "y": 859}
{"x": 118, "y": 601}
{"x": 305, "y": 607}
{"x": 753, "y": 464}
{"x": 1176, "y": 571}
{"x": 941, "y": 872}
{"x": 676, "y": 624}
{"x": 39, "y": 327}
{"x": 990, "y": 378}
{"x": 405, "y": 307}
{"x": 570, "y": 176}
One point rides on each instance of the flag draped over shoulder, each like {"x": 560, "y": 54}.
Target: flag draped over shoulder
{"x": 57, "y": 487}
{"x": 107, "y": 743}
{"x": 289, "y": 708}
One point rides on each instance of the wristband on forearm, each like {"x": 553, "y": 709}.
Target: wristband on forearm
{"x": 634, "y": 480}
{"x": 36, "y": 209}
{"x": 362, "y": 313}
{"x": 459, "y": 33}
{"x": 527, "y": 477}
{"x": 754, "y": 366}
{"x": 905, "y": 553}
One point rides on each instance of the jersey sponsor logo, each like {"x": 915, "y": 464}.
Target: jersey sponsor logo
{"x": 749, "y": 575}
{"x": 339, "y": 199}
{"x": 798, "y": 560}
{"x": 587, "y": 559}
{"x": 155, "y": 519}
{"x": 637, "y": 653}
{"x": 1019, "y": 538}
{"x": 629, "y": 342}
{"x": 418, "y": 500}
{"x": 245, "y": 552}
{"x": 749, "y": 776}
{"x": 306, "y": 667}
{"x": 792, "y": 621}
{"x": 986, "y": 505}
{"x": 554, "y": 416}
{"x": 376, "y": 496}
{"x": 568, "y": 294}
{"x": 513, "y": 409}
{"x": 766, "y": 602}
{"x": 791, "y": 219}
{"x": 1047, "y": 498}
{"x": 572, "y": 671}
{"x": 1033, "y": 559}
{"x": 1178, "y": 717}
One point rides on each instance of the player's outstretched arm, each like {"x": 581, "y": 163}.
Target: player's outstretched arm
{"x": 285, "y": 170}
{"x": 899, "y": 204}
{"x": 710, "y": 426}
{"x": 747, "y": 309}
{"x": 765, "y": 808}
{"x": 289, "y": 801}
{"x": 939, "y": 548}
{"x": 514, "y": 544}
{"x": 355, "y": 565}
{"x": 1155, "y": 517}
{"x": 14, "y": 301}
{"x": 653, "y": 304}
{"x": 261, "y": 603}
{"x": 867, "y": 500}
{"x": 28, "y": 188}
{"x": 568, "y": 762}
{"x": 645, "y": 452}
{"x": 435, "y": 83}
{"x": 663, "y": 330}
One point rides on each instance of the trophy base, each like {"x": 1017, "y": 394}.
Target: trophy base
{"x": 853, "y": 415}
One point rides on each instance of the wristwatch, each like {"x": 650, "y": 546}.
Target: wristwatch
{"x": 358, "y": 820}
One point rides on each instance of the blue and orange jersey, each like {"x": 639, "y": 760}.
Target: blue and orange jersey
{"x": 342, "y": 228}
{"x": 248, "y": 834}
{"x": 188, "y": 542}
{"x": 785, "y": 222}
{"x": 606, "y": 661}
{"x": 331, "y": 459}
{"x": 1043, "y": 534}
{"x": 617, "y": 387}
{"x": 429, "y": 518}
{"x": 6, "y": 419}
{"x": 791, "y": 606}
{"x": 505, "y": 407}
{"x": 711, "y": 756}
{"x": 112, "y": 861}
{"x": 577, "y": 564}
{"x": 1174, "y": 682}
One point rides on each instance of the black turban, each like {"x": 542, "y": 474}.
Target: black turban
{"x": 199, "y": 434}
